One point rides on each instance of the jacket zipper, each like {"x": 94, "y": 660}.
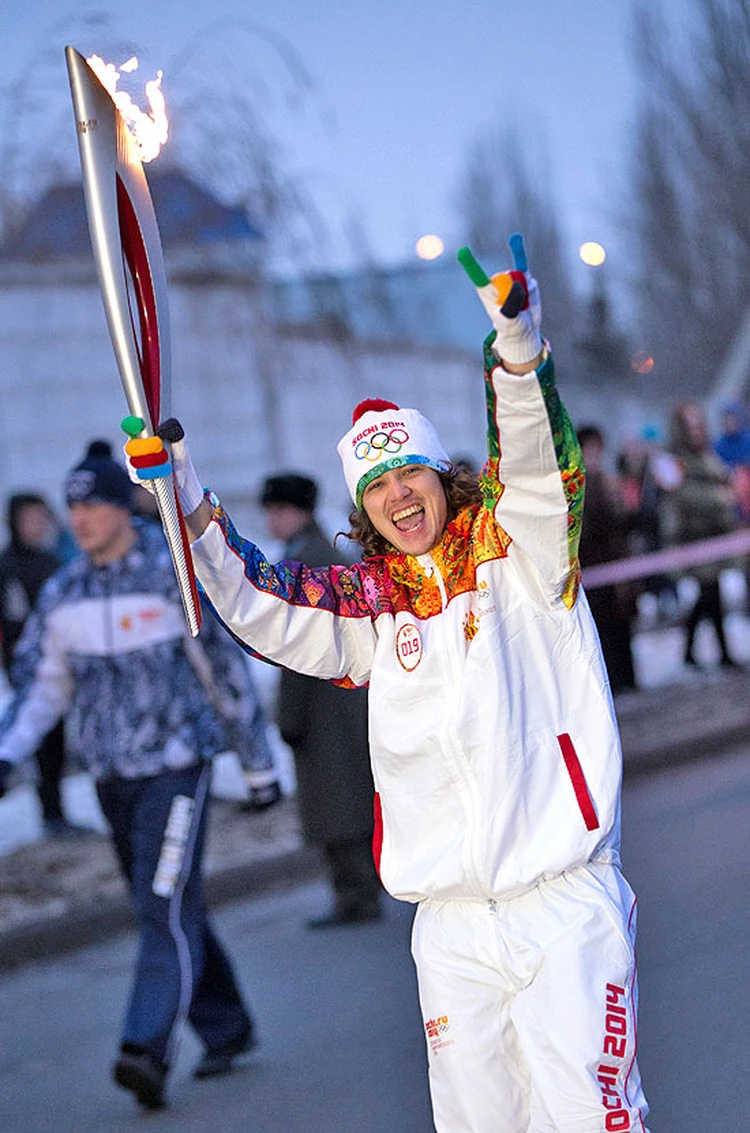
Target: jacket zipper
{"x": 454, "y": 745}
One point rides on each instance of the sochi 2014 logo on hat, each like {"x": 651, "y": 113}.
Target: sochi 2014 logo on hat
{"x": 384, "y": 440}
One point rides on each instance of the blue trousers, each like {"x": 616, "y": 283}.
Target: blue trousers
{"x": 182, "y": 972}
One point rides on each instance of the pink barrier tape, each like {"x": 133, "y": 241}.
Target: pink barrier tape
{"x": 672, "y": 559}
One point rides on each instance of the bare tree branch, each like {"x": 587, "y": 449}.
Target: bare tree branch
{"x": 690, "y": 214}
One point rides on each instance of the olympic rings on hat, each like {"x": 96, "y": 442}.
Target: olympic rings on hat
{"x": 374, "y": 448}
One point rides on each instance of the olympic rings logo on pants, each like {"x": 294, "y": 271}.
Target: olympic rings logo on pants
{"x": 376, "y": 446}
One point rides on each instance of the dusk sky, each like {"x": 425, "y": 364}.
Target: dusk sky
{"x": 402, "y": 90}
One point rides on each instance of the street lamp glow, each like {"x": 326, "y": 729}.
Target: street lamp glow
{"x": 592, "y": 253}
{"x": 429, "y": 247}
{"x": 642, "y": 362}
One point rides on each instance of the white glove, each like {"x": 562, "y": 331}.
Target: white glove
{"x": 189, "y": 487}
{"x": 511, "y": 299}
{"x": 519, "y": 339}
{"x": 147, "y": 459}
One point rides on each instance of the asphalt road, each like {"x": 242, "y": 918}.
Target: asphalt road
{"x": 686, "y": 851}
{"x": 341, "y": 1035}
{"x": 342, "y": 1048}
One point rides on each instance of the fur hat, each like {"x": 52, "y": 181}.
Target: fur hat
{"x": 289, "y": 488}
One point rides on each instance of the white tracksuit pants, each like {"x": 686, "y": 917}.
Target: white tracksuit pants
{"x": 530, "y": 1006}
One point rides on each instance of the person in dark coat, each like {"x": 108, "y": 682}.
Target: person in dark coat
{"x": 25, "y": 565}
{"x": 326, "y": 728}
{"x": 701, "y": 506}
{"x": 604, "y": 539}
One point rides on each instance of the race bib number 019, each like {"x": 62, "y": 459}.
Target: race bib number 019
{"x": 409, "y": 646}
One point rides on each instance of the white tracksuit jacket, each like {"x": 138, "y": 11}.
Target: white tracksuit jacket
{"x": 494, "y": 745}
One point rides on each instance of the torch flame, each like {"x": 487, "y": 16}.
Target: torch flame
{"x": 149, "y": 129}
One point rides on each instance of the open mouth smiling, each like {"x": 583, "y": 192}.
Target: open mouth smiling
{"x": 408, "y": 518}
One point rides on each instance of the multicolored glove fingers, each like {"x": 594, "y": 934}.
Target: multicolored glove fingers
{"x": 146, "y": 454}
{"x": 472, "y": 267}
{"x": 518, "y": 252}
{"x": 512, "y": 294}
{"x": 510, "y": 286}
{"x": 171, "y": 430}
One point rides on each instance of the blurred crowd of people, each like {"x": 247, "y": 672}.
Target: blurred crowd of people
{"x": 324, "y": 726}
{"x": 659, "y": 491}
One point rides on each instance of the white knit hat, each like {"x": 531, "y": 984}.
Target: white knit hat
{"x": 383, "y": 437}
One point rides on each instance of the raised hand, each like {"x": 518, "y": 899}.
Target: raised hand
{"x": 511, "y": 299}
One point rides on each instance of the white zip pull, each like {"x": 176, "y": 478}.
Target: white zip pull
{"x": 427, "y": 563}
{"x": 430, "y": 569}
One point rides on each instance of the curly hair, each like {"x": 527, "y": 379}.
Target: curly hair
{"x": 461, "y": 490}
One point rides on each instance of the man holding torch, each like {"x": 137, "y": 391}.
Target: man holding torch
{"x": 493, "y": 738}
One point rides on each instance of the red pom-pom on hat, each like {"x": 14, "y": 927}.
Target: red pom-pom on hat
{"x": 371, "y": 405}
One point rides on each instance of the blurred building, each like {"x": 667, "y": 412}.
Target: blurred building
{"x": 260, "y": 380}
{"x": 266, "y": 371}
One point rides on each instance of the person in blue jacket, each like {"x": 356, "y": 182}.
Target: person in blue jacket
{"x": 146, "y": 708}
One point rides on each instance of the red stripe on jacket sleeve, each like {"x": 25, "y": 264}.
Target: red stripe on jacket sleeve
{"x": 578, "y": 779}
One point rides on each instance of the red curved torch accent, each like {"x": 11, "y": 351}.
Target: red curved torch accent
{"x": 134, "y": 251}
{"x": 136, "y": 258}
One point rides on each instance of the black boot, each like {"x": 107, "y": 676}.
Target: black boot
{"x": 138, "y": 1071}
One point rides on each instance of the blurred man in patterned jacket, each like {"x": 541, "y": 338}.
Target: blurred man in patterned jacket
{"x": 146, "y": 707}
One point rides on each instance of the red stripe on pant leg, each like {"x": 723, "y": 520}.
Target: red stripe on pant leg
{"x": 578, "y": 780}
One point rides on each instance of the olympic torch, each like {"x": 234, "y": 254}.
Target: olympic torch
{"x": 132, "y": 280}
